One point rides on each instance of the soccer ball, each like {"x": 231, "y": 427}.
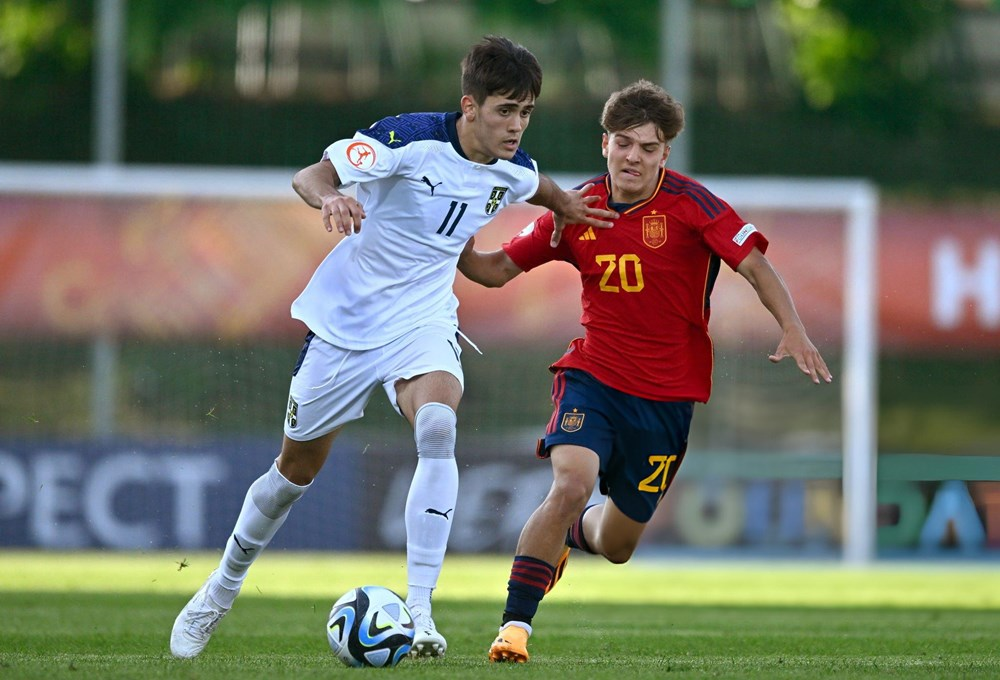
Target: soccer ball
{"x": 370, "y": 626}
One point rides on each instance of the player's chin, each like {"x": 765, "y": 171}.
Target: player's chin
{"x": 506, "y": 151}
{"x": 629, "y": 179}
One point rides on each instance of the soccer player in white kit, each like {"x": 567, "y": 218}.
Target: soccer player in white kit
{"x": 381, "y": 312}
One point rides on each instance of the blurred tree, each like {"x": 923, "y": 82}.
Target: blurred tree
{"x": 45, "y": 76}
{"x": 867, "y": 76}
{"x": 869, "y": 61}
{"x": 40, "y": 36}
{"x": 634, "y": 25}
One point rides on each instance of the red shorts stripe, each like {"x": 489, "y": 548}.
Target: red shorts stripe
{"x": 558, "y": 390}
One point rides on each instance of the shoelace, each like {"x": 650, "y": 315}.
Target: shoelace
{"x": 423, "y": 620}
{"x": 203, "y": 623}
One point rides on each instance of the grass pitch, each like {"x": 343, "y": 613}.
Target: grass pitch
{"x": 108, "y": 615}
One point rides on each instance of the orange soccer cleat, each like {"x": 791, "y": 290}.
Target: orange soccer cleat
{"x": 511, "y": 645}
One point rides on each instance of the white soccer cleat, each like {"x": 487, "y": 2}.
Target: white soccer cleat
{"x": 427, "y": 641}
{"x": 194, "y": 626}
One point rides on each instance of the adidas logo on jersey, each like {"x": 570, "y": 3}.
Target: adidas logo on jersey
{"x": 588, "y": 235}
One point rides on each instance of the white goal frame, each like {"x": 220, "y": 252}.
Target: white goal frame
{"x": 857, "y": 199}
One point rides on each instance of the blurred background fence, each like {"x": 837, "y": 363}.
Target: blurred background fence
{"x": 145, "y": 342}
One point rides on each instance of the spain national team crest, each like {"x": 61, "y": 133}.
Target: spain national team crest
{"x": 654, "y": 230}
{"x": 571, "y": 422}
{"x": 496, "y": 196}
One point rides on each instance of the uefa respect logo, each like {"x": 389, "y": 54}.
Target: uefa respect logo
{"x": 361, "y": 155}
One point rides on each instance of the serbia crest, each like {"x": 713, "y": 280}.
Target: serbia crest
{"x": 496, "y": 196}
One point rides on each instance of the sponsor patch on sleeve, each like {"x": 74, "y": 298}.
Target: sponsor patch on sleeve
{"x": 743, "y": 234}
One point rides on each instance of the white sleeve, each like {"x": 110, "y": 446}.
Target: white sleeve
{"x": 526, "y": 184}
{"x": 363, "y": 159}
{"x": 533, "y": 186}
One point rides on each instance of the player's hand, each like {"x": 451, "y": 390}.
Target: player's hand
{"x": 794, "y": 343}
{"x": 343, "y": 212}
{"x": 558, "y": 224}
{"x": 580, "y": 209}
{"x": 467, "y": 251}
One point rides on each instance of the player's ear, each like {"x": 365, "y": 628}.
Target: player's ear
{"x": 666, "y": 155}
{"x": 604, "y": 144}
{"x": 469, "y": 108}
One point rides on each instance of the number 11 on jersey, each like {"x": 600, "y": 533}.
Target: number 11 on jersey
{"x": 447, "y": 218}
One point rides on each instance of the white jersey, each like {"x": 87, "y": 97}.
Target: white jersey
{"x": 423, "y": 200}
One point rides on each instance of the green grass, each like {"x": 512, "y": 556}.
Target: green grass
{"x": 108, "y": 615}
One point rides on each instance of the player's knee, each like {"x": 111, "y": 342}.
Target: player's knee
{"x": 434, "y": 430}
{"x": 300, "y": 461}
{"x": 273, "y": 493}
{"x": 570, "y": 495}
{"x": 619, "y": 554}
{"x": 298, "y": 472}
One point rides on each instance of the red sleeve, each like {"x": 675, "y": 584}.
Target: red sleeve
{"x": 531, "y": 248}
{"x": 732, "y": 238}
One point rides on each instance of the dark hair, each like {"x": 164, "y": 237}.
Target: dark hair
{"x": 497, "y": 66}
{"x": 643, "y": 102}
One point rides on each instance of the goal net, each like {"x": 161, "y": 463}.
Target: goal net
{"x": 145, "y": 322}
{"x": 776, "y": 464}
{"x": 824, "y": 235}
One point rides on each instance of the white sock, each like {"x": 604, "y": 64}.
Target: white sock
{"x": 430, "y": 504}
{"x": 519, "y": 624}
{"x": 419, "y": 597}
{"x": 265, "y": 509}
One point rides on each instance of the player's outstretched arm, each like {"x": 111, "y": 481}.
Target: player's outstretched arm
{"x": 773, "y": 293}
{"x": 318, "y": 185}
{"x": 574, "y": 206}
{"x": 492, "y": 269}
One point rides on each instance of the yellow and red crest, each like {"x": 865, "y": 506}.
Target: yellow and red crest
{"x": 571, "y": 422}
{"x": 654, "y": 230}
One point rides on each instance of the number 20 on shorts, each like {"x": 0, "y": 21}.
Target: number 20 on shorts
{"x": 657, "y": 481}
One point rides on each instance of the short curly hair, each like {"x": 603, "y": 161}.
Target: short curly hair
{"x": 643, "y": 102}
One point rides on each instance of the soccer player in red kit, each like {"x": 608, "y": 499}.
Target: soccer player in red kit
{"x": 624, "y": 393}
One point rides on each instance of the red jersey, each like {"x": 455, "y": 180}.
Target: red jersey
{"x": 646, "y": 285}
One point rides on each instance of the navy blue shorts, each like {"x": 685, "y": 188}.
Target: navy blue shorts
{"x": 640, "y": 442}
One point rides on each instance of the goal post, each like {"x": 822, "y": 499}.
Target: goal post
{"x": 855, "y": 202}
{"x": 858, "y": 200}
{"x": 138, "y": 200}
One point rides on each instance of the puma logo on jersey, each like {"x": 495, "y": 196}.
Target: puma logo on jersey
{"x": 393, "y": 139}
{"x": 588, "y": 235}
{"x": 428, "y": 183}
{"x": 432, "y": 511}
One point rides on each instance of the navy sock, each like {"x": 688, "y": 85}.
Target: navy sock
{"x": 529, "y": 577}
{"x": 575, "y": 537}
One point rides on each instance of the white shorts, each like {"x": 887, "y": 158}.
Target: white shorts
{"x": 331, "y": 385}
